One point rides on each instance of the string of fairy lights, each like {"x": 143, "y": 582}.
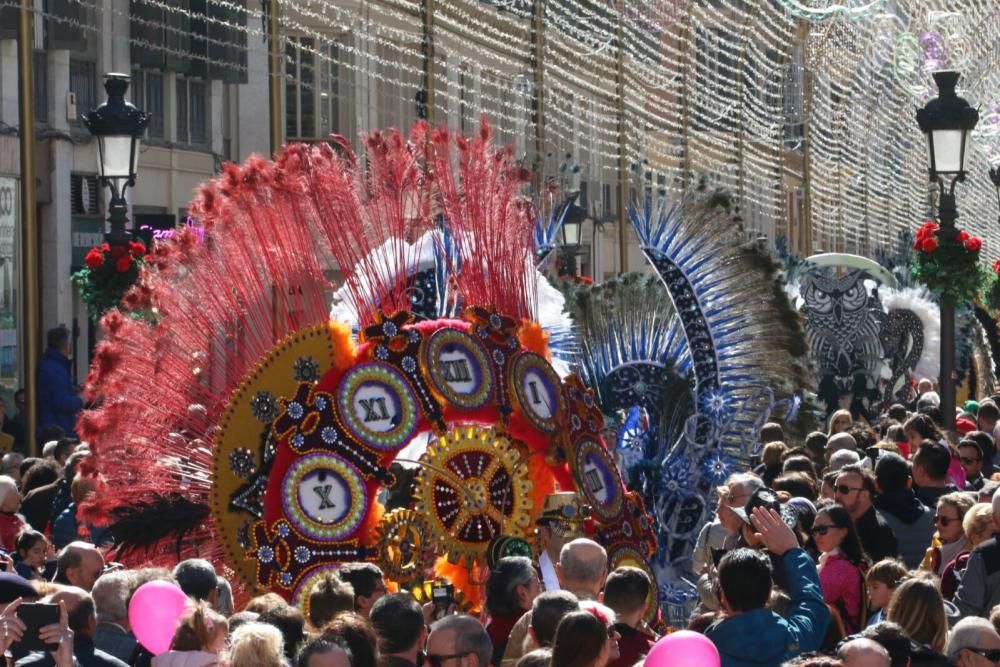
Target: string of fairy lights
{"x": 778, "y": 101}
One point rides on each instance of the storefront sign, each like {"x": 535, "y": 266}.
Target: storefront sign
{"x": 8, "y": 215}
{"x": 85, "y": 233}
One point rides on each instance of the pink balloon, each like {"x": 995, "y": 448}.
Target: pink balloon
{"x": 683, "y": 649}
{"x": 153, "y": 614}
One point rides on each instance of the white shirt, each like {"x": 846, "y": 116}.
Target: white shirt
{"x": 549, "y": 578}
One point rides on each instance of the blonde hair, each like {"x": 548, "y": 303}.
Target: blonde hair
{"x": 837, "y": 415}
{"x": 256, "y": 645}
{"x": 199, "y": 629}
{"x": 772, "y": 453}
{"x": 978, "y": 521}
{"x": 918, "y": 607}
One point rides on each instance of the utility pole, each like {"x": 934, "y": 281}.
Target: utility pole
{"x": 538, "y": 48}
{"x": 428, "y": 49}
{"x": 276, "y": 74}
{"x": 622, "y": 145}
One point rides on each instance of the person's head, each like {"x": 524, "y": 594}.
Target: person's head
{"x": 512, "y": 586}
{"x": 924, "y": 385}
{"x": 772, "y": 453}
{"x": 581, "y": 641}
{"x": 985, "y": 442}
{"x": 79, "y": 607}
{"x": 951, "y": 510}
{"x": 918, "y": 607}
{"x": 882, "y": 579}
{"x": 840, "y": 421}
{"x": 256, "y": 645}
{"x": 833, "y": 528}
{"x": 771, "y": 432}
{"x": 329, "y": 596}
{"x": 897, "y": 412}
{"x": 863, "y": 652}
{"x": 583, "y": 564}
{"x": 892, "y": 473}
{"x": 368, "y": 583}
{"x": 10, "y": 497}
{"x": 971, "y": 455}
{"x": 79, "y": 564}
{"x": 920, "y": 427}
{"x": 801, "y": 464}
{"x": 32, "y": 548}
{"x": 265, "y": 602}
{"x": 930, "y": 464}
{"x": 197, "y": 578}
{"x": 111, "y": 596}
{"x": 606, "y": 616}
{"x": 734, "y": 494}
{"x": 796, "y": 485}
{"x": 987, "y": 416}
{"x": 978, "y": 523}
{"x": 546, "y": 612}
{"x": 43, "y": 473}
{"x": 322, "y": 653}
{"x": 290, "y": 621}
{"x": 200, "y": 629}
{"x": 626, "y": 592}
{"x": 815, "y": 444}
{"x": 842, "y": 458}
{"x": 855, "y": 488}
{"x": 458, "y": 641}
{"x": 353, "y": 631}
{"x": 744, "y": 580}
{"x": 62, "y": 452}
{"x": 895, "y": 640}
{"x": 58, "y": 339}
{"x": 840, "y": 441}
{"x": 10, "y": 465}
{"x": 398, "y": 621}
{"x": 540, "y": 657}
{"x": 973, "y": 636}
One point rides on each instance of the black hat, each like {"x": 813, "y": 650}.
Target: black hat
{"x": 764, "y": 497}
{"x": 13, "y": 587}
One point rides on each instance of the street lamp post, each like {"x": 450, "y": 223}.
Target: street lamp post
{"x": 572, "y": 232}
{"x": 947, "y": 121}
{"x": 117, "y": 125}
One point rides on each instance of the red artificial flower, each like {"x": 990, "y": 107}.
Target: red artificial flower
{"x": 123, "y": 264}
{"x": 929, "y": 244}
{"x": 996, "y": 266}
{"x": 117, "y": 252}
{"x": 105, "y": 247}
{"x": 94, "y": 258}
{"x": 927, "y": 230}
{"x": 148, "y": 259}
{"x": 963, "y": 236}
{"x": 136, "y": 248}
{"x": 973, "y": 244}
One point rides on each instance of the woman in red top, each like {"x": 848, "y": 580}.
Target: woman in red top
{"x": 842, "y": 564}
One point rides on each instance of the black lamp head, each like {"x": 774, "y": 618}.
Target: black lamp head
{"x": 117, "y": 115}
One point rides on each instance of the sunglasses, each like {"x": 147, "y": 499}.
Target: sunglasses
{"x": 435, "y": 660}
{"x": 844, "y": 490}
{"x": 822, "y": 530}
{"x": 968, "y": 461}
{"x": 991, "y": 654}
{"x": 943, "y": 520}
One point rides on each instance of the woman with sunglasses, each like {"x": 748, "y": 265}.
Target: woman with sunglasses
{"x": 840, "y": 421}
{"x": 950, "y": 539}
{"x": 842, "y": 562}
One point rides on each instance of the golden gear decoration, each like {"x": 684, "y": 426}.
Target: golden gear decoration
{"x": 402, "y": 537}
{"x": 474, "y": 487}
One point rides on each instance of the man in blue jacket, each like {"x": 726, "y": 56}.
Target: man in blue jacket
{"x": 58, "y": 402}
{"x": 750, "y": 635}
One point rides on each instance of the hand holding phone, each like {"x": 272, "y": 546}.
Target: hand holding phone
{"x": 11, "y": 627}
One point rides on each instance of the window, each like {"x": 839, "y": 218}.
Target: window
{"x": 312, "y": 88}
{"x": 41, "y": 76}
{"x": 146, "y": 93}
{"x": 83, "y": 82}
{"x": 192, "y": 116}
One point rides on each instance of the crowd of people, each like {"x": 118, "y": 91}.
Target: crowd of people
{"x": 867, "y": 545}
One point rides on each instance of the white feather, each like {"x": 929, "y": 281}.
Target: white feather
{"x": 917, "y": 300}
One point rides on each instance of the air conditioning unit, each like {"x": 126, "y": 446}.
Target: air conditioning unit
{"x": 86, "y": 191}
